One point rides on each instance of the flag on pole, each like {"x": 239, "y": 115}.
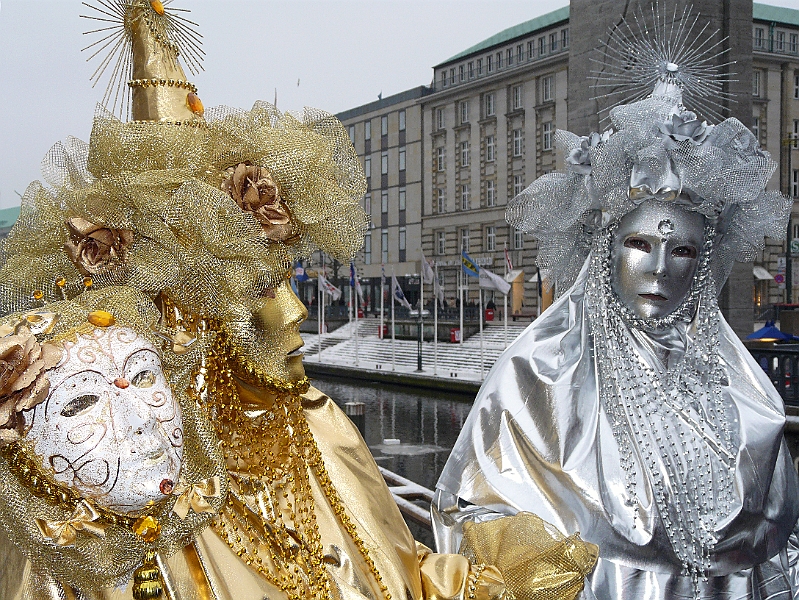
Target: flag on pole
{"x": 507, "y": 260}
{"x": 492, "y": 281}
{"x": 294, "y": 286}
{"x": 396, "y": 291}
{"x": 355, "y": 282}
{"x": 469, "y": 266}
{"x": 329, "y": 288}
{"x": 299, "y": 272}
{"x": 427, "y": 271}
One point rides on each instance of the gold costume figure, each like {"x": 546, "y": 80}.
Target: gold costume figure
{"x": 205, "y": 211}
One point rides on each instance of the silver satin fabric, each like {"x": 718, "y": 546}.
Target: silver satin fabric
{"x": 538, "y": 440}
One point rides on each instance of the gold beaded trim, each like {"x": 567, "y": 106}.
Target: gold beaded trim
{"x": 145, "y": 83}
{"x": 199, "y": 123}
{"x": 473, "y": 578}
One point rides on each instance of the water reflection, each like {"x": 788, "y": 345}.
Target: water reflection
{"x": 426, "y": 424}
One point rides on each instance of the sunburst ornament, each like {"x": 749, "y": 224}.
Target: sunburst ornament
{"x": 129, "y": 21}
{"x": 650, "y": 53}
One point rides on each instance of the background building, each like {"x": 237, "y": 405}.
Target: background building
{"x": 484, "y": 130}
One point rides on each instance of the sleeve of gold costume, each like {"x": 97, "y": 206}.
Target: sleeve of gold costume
{"x": 453, "y": 577}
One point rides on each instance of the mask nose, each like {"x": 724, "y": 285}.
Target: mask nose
{"x": 660, "y": 269}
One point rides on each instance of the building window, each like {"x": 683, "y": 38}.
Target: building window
{"x": 546, "y": 88}
{"x": 518, "y": 185}
{"x": 384, "y": 201}
{"x": 402, "y": 120}
{"x": 518, "y": 138}
{"x": 793, "y": 44}
{"x": 780, "y": 41}
{"x": 491, "y": 193}
{"x": 440, "y": 158}
{"x": 367, "y": 130}
{"x": 443, "y": 79}
{"x": 471, "y": 69}
{"x": 564, "y": 38}
{"x": 529, "y": 50}
{"x": 367, "y": 248}
{"x": 490, "y": 148}
{"x": 756, "y": 128}
{"x": 464, "y": 154}
{"x": 795, "y": 184}
{"x": 553, "y": 42}
{"x": 546, "y": 136}
{"x": 499, "y": 60}
{"x": 461, "y": 74}
{"x": 517, "y": 97}
{"x": 756, "y": 84}
{"x": 452, "y": 76}
{"x": 351, "y": 130}
{"x": 464, "y": 239}
{"x": 440, "y": 118}
{"x": 367, "y": 204}
{"x": 519, "y": 53}
{"x": 489, "y": 105}
{"x": 479, "y": 67}
{"x": 465, "y": 196}
{"x": 402, "y": 158}
{"x": 542, "y": 46}
{"x": 796, "y": 87}
{"x": 491, "y": 238}
{"x": 489, "y": 63}
{"x": 402, "y": 239}
{"x": 441, "y": 242}
{"x": 384, "y": 163}
{"x": 509, "y": 56}
{"x": 796, "y": 133}
{"x": 384, "y": 125}
{"x": 759, "y": 37}
{"x": 384, "y": 245}
{"x": 367, "y": 166}
{"x": 402, "y": 198}
{"x": 441, "y": 200}
{"x": 465, "y": 111}
{"x": 518, "y": 239}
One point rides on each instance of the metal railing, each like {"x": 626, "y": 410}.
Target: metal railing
{"x": 405, "y": 493}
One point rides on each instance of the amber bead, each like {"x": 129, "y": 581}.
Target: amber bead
{"x": 195, "y": 104}
{"x": 158, "y": 6}
{"x": 147, "y": 528}
{"x": 101, "y": 318}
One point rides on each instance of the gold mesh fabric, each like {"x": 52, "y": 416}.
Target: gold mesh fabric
{"x": 536, "y": 560}
{"x": 94, "y": 563}
{"x": 162, "y": 182}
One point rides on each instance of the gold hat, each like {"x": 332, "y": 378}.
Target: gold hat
{"x": 145, "y": 39}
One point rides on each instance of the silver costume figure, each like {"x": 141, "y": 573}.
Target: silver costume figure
{"x": 630, "y": 411}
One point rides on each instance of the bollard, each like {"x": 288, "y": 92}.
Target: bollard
{"x": 357, "y": 413}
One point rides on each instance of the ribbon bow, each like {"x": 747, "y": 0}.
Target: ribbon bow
{"x": 194, "y": 496}
{"x": 64, "y": 533}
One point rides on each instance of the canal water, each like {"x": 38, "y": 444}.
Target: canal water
{"x": 409, "y": 431}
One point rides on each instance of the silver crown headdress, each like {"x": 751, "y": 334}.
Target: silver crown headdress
{"x": 655, "y": 149}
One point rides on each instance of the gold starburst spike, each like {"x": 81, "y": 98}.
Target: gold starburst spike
{"x": 649, "y": 51}
{"x": 138, "y": 48}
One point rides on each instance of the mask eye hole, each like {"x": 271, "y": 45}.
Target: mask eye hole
{"x": 79, "y": 404}
{"x": 145, "y": 379}
{"x": 637, "y": 243}
{"x": 684, "y": 252}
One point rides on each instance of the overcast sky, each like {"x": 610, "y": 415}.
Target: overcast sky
{"x": 342, "y": 52}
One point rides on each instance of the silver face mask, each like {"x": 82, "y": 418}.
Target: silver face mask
{"x": 110, "y": 427}
{"x": 654, "y": 256}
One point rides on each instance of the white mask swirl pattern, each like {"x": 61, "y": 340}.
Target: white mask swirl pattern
{"x": 110, "y": 427}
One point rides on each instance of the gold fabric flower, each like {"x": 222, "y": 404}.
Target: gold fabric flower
{"x": 94, "y": 248}
{"x": 256, "y": 192}
{"x": 23, "y": 381}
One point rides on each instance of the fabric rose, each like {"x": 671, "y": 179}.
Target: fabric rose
{"x": 94, "y": 248}
{"x": 23, "y": 382}
{"x": 685, "y": 127}
{"x": 580, "y": 158}
{"x": 255, "y": 192}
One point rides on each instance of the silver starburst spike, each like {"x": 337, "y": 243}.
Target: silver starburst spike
{"x": 176, "y": 34}
{"x": 650, "y": 53}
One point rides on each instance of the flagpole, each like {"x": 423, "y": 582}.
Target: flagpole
{"x": 480, "y": 318}
{"x": 319, "y": 312}
{"x": 324, "y": 302}
{"x": 421, "y": 314}
{"x": 393, "y": 348}
{"x": 505, "y": 309}
{"x": 355, "y": 285}
{"x": 435, "y": 325}
{"x": 382, "y": 297}
{"x": 460, "y": 301}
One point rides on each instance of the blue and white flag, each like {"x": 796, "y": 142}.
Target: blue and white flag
{"x": 355, "y": 282}
{"x": 469, "y": 266}
{"x": 397, "y": 292}
{"x": 299, "y": 272}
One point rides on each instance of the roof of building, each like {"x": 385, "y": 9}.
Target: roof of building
{"x": 8, "y": 216}
{"x": 411, "y": 94}
{"x": 547, "y": 20}
{"x": 760, "y": 12}
{"x": 775, "y": 14}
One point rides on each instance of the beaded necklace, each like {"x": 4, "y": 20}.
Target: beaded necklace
{"x": 671, "y": 421}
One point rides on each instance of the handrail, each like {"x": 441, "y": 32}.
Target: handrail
{"x": 405, "y": 492}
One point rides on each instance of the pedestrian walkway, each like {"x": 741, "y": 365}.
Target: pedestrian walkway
{"x": 453, "y": 361}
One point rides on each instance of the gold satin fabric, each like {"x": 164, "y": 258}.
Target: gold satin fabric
{"x": 209, "y": 570}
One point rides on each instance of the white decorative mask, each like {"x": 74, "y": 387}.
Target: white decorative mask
{"x": 110, "y": 427}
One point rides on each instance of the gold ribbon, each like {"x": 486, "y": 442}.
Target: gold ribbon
{"x": 64, "y": 533}
{"x": 194, "y": 496}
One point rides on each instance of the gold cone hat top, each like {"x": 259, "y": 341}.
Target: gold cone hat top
{"x": 141, "y": 44}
